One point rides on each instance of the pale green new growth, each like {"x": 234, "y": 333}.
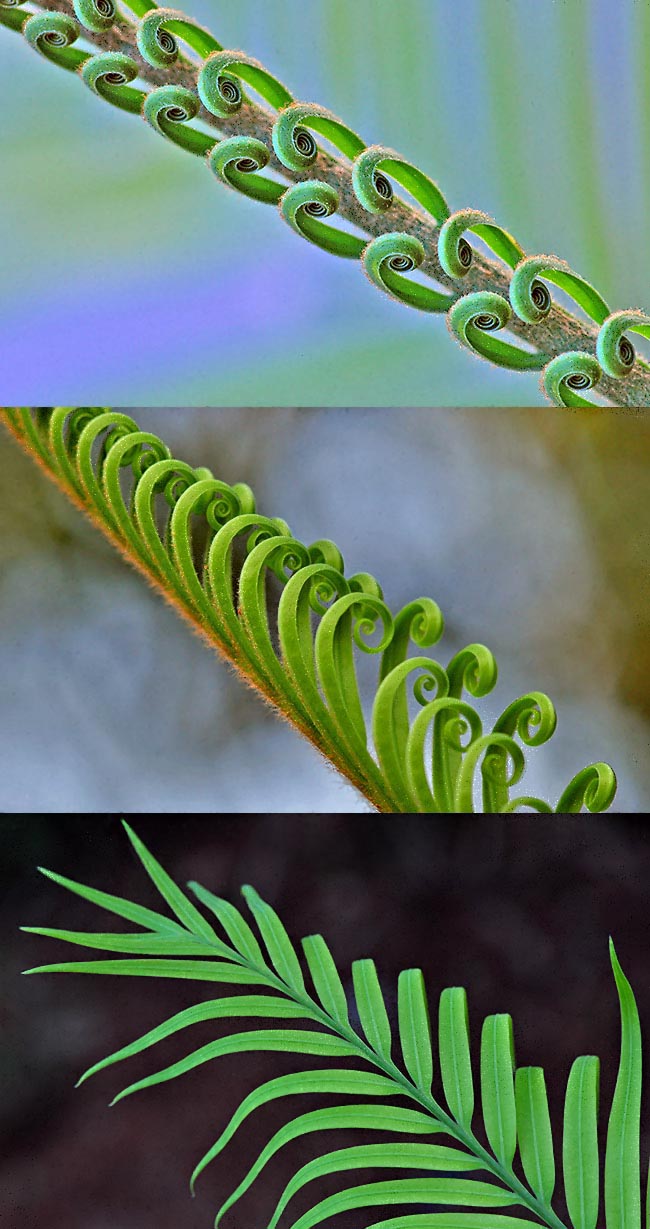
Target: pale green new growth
{"x": 480, "y": 296}
{"x": 514, "y": 1103}
{"x": 422, "y": 747}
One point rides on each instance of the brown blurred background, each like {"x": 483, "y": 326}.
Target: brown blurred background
{"x": 517, "y": 910}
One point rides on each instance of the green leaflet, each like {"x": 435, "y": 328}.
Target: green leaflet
{"x": 371, "y": 1007}
{"x": 286, "y": 1041}
{"x": 622, "y": 1163}
{"x": 379, "y": 1156}
{"x": 360, "y": 172}
{"x": 325, "y": 976}
{"x": 352, "y": 1083}
{"x": 417, "y": 746}
{"x": 277, "y": 941}
{"x": 497, "y": 1086}
{"x": 534, "y": 1131}
{"x": 190, "y": 970}
{"x": 580, "y": 1143}
{"x": 235, "y": 926}
{"x": 454, "y": 1054}
{"x": 407, "y": 1190}
{"x": 261, "y": 1006}
{"x": 453, "y": 1220}
{"x": 140, "y": 945}
{"x": 364, "y": 1117}
{"x": 515, "y": 1110}
{"x": 115, "y": 904}
{"x": 414, "y": 1028}
{"x": 187, "y": 914}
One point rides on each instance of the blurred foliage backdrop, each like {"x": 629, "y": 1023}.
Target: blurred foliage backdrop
{"x": 133, "y": 276}
{"x": 530, "y": 529}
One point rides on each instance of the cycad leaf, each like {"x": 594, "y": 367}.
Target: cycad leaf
{"x": 454, "y": 1054}
{"x": 259, "y": 1006}
{"x": 191, "y": 970}
{"x": 344, "y": 1117}
{"x": 622, "y": 1161}
{"x": 141, "y": 944}
{"x": 325, "y": 977}
{"x": 185, "y": 911}
{"x": 235, "y": 926}
{"x": 534, "y": 1131}
{"x": 408, "y": 1190}
{"x": 278, "y": 944}
{"x": 349, "y": 1083}
{"x": 117, "y": 905}
{"x": 378, "y": 1156}
{"x": 497, "y": 1086}
{"x": 371, "y": 1006}
{"x": 414, "y": 1028}
{"x": 286, "y": 1041}
{"x": 580, "y": 1159}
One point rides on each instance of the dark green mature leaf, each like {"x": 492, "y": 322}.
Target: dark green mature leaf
{"x": 622, "y": 1160}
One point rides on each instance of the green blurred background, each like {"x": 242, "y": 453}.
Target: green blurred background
{"x": 131, "y": 276}
{"x": 530, "y": 530}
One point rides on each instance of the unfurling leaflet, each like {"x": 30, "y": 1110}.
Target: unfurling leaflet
{"x": 290, "y": 619}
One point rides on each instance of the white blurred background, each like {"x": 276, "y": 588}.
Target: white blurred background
{"x": 526, "y": 526}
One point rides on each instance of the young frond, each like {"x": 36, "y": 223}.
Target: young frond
{"x": 188, "y": 75}
{"x": 421, "y": 748}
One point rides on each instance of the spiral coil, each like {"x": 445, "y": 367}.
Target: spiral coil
{"x": 423, "y": 748}
{"x": 220, "y": 80}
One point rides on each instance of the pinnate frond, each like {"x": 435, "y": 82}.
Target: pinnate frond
{"x": 388, "y": 1089}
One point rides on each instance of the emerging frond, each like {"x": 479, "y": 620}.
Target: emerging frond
{"x": 422, "y": 747}
{"x": 392, "y": 236}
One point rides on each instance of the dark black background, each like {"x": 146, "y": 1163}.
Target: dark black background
{"x": 517, "y": 910}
